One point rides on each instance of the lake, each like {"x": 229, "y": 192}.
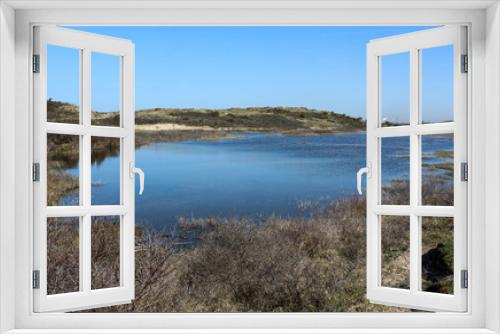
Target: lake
{"x": 255, "y": 175}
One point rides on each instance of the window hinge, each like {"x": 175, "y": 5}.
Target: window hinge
{"x": 465, "y": 63}
{"x": 464, "y": 279}
{"x": 36, "y": 172}
{"x": 464, "y": 171}
{"x": 36, "y": 279}
{"x": 36, "y": 63}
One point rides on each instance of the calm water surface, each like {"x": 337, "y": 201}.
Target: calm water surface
{"x": 256, "y": 175}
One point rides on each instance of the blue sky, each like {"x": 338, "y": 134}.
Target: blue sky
{"x": 220, "y": 67}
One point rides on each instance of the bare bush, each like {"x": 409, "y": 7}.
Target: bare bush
{"x": 314, "y": 263}
{"x": 239, "y": 265}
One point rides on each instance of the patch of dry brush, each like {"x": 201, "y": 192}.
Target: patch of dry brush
{"x": 314, "y": 264}
{"x": 296, "y": 265}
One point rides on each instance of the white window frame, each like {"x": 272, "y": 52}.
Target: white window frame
{"x": 85, "y": 44}
{"x": 415, "y": 210}
{"x": 483, "y": 18}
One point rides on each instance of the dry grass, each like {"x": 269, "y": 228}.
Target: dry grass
{"x": 280, "y": 265}
{"x": 237, "y": 265}
{"x": 60, "y": 183}
{"x": 62, "y": 255}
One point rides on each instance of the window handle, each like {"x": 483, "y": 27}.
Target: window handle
{"x": 134, "y": 170}
{"x": 365, "y": 170}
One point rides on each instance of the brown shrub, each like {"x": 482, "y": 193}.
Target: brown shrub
{"x": 313, "y": 263}
{"x": 239, "y": 265}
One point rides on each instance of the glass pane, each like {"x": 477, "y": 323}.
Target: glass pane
{"x": 395, "y": 269}
{"x": 437, "y": 84}
{"x": 63, "y": 85}
{"x": 105, "y": 252}
{"x": 437, "y": 254}
{"x": 105, "y": 171}
{"x": 63, "y": 255}
{"x": 437, "y": 170}
{"x": 395, "y": 89}
{"x": 63, "y": 169}
{"x": 395, "y": 170}
{"x": 106, "y": 89}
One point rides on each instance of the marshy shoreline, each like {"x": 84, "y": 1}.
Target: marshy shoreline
{"x": 292, "y": 264}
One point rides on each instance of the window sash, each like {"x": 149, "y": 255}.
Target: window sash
{"x": 85, "y": 297}
{"x": 412, "y": 43}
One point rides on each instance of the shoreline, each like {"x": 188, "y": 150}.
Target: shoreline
{"x": 159, "y": 134}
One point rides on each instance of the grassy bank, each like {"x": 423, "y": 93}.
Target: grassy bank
{"x": 170, "y": 124}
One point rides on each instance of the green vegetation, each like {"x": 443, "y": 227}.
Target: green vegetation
{"x": 448, "y": 166}
{"x": 270, "y": 119}
{"x": 168, "y": 124}
{"x": 437, "y": 261}
{"x": 444, "y": 154}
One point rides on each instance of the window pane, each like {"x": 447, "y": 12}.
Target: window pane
{"x": 63, "y": 169}
{"x": 395, "y": 170}
{"x": 63, "y": 85}
{"x": 106, "y": 89}
{"x": 105, "y": 176}
{"x": 395, "y": 270}
{"x": 437, "y": 254}
{"x": 437, "y": 84}
{"x": 63, "y": 255}
{"x": 437, "y": 170}
{"x": 105, "y": 252}
{"x": 395, "y": 89}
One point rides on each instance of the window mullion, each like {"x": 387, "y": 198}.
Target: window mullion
{"x": 85, "y": 176}
{"x": 85, "y": 152}
{"x": 414, "y": 172}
